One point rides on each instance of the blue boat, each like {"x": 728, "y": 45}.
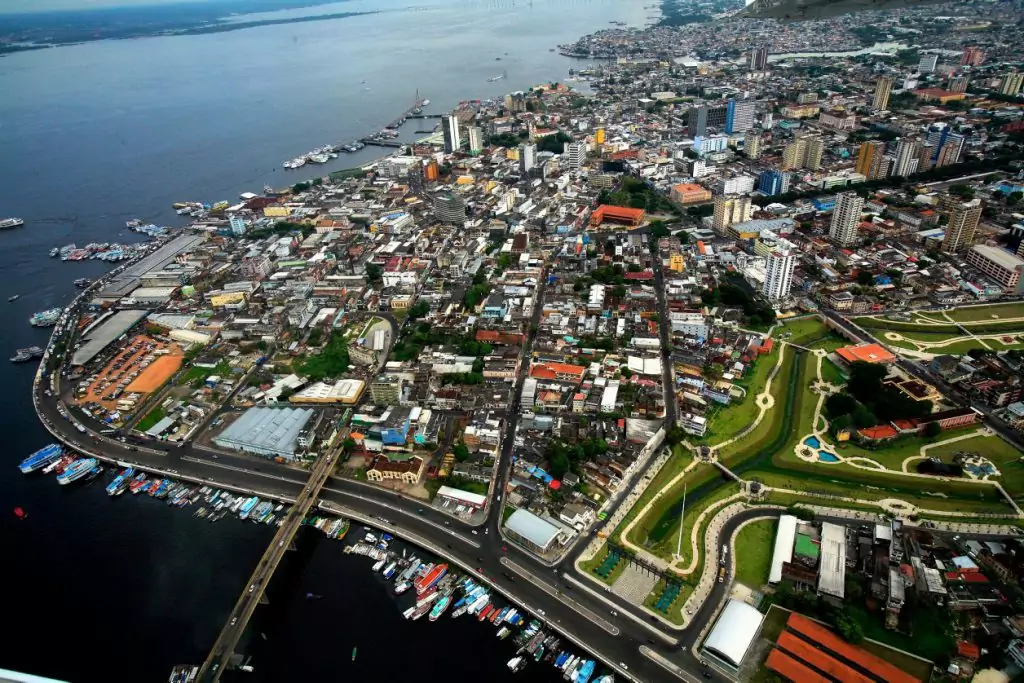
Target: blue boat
{"x": 562, "y": 656}
{"x": 76, "y": 470}
{"x": 583, "y": 675}
{"x": 41, "y": 458}
{"x": 120, "y": 483}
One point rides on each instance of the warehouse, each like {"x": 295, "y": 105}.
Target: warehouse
{"x": 733, "y": 633}
{"x": 271, "y": 432}
{"x": 95, "y": 340}
{"x": 530, "y": 530}
{"x": 344, "y": 391}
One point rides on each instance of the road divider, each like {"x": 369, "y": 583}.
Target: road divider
{"x": 561, "y": 597}
{"x": 668, "y": 640}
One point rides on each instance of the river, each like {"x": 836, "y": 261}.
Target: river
{"x": 94, "y": 134}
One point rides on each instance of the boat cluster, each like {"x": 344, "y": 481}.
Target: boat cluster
{"x": 148, "y": 229}
{"x": 97, "y": 251}
{"x": 320, "y": 155}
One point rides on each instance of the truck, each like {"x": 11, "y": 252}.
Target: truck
{"x": 721, "y": 575}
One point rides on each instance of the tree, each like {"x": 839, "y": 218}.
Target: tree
{"x": 862, "y": 417}
{"x": 348, "y": 445}
{"x": 1013, "y": 198}
{"x": 461, "y": 452}
{"x": 626, "y": 372}
{"x": 932, "y": 429}
{"x": 558, "y": 465}
{"x": 848, "y": 628}
{"x": 658, "y": 229}
{"x": 373, "y": 272}
{"x": 865, "y": 278}
{"x": 962, "y": 191}
{"x": 419, "y": 310}
{"x": 839, "y": 404}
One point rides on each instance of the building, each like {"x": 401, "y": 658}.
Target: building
{"x": 779, "y": 271}
{"x": 527, "y": 157}
{"x": 575, "y": 154}
{"x": 958, "y": 84}
{"x": 908, "y": 151}
{"x": 690, "y": 193}
{"x": 405, "y": 471}
{"x": 343, "y": 391}
{"x": 832, "y": 566}
{"x": 752, "y": 145}
{"x": 449, "y": 208}
{"x": 785, "y": 537}
{"x": 476, "y": 139}
{"x": 758, "y": 58}
{"x": 1011, "y": 83}
{"x": 729, "y": 210}
{"x": 771, "y": 183}
{"x": 883, "y": 89}
{"x": 734, "y": 632}
{"x": 938, "y": 95}
{"x": 945, "y": 143}
{"x": 963, "y": 221}
{"x": 927, "y": 63}
{"x": 271, "y": 432}
{"x": 867, "y": 353}
{"x": 710, "y": 144}
{"x": 739, "y": 115}
{"x": 972, "y": 56}
{"x": 846, "y": 218}
{"x": 535, "y": 533}
{"x": 450, "y": 128}
{"x": 869, "y": 159}
{"x": 837, "y": 120}
{"x": 386, "y": 390}
{"x": 999, "y": 265}
{"x": 702, "y": 117}
{"x": 804, "y": 152}
{"x": 800, "y": 111}
{"x": 618, "y": 214}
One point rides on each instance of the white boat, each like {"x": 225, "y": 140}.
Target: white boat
{"x": 8, "y": 223}
{"x": 319, "y": 158}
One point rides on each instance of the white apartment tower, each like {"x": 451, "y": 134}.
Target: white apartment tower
{"x": 450, "y": 126}
{"x": 527, "y": 157}
{"x": 476, "y": 139}
{"x": 575, "y": 154}
{"x": 778, "y": 276}
{"x": 908, "y": 154}
{"x": 846, "y": 218}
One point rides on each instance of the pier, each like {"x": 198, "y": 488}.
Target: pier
{"x": 394, "y": 144}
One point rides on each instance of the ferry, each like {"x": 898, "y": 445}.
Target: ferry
{"x": 94, "y": 472}
{"x": 26, "y": 354}
{"x": 430, "y": 578}
{"x": 47, "y": 318}
{"x": 76, "y": 470}
{"x": 440, "y": 607}
{"x": 248, "y": 506}
{"x": 41, "y": 458}
{"x": 8, "y": 223}
{"x": 120, "y": 483}
{"x": 389, "y": 571}
{"x": 137, "y": 483}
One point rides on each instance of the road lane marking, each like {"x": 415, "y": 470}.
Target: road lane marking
{"x": 666, "y": 664}
{"x": 561, "y": 597}
{"x": 620, "y": 610}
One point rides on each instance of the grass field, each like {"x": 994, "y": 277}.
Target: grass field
{"x": 1001, "y": 452}
{"x": 830, "y": 372}
{"x": 987, "y": 313}
{"x": 773, "y": 422}
{"x": 754, "y": 552}
{"x": 803, "y": 331}
{"x": 152, "y": 417}
{"x": 729, "y": 420}
{"x": 676, "y": 463}
{"x": 590, "y": 566}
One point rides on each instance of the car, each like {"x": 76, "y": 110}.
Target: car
{"x": 479, "y": 570}
{"x": 474, "y": 532}
{"x": 252, "y": 587}
{"x": 624, "y": 667}
{"x": 705, "y": 674}
{"x": 234, "y": 620}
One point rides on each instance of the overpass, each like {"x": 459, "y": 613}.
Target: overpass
{"x": 224, "y": 648}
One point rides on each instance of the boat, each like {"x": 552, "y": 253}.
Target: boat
{"x": 76, "y": 470}
{"x": 54, "y": 252}
{"x": 137, "y": 483}
{"x": 8, "y": 223}
{"x": 26, "y": 354}
{"x": 41, "y": 458}
{"x": 58, "y": 464}
{"x": 503, "y": 74}
{"x": 402, "y": 587}
{"x": 389, "y": 571}
{"x": 47, "y": 318}
{"x": 377, "y": 565}
{"x": 13, "y": 297}
{"x": 516, "y": 664}
{"x": 313, "y": 596}
{"x": 120, "y": 483}
{"x": 607, "y": 678}
{"x": 440, "y": 607}
{"x": 82, "y": 282}
{"x": 485, "y": 612}
{"x": 354, "y": 651}
{"x": 430, "y": 578}
{"x": 585, "y": 671}
{"x": 503, "y": 632}
{"x": 94, "y": 472}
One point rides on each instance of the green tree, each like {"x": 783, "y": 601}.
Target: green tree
{"x": 461, "y": 452}
{"x": 932, "y": 430}
{"x": 865, "y": 278}
{"x": 373, "y": 272}
{"x": 420, "y": 309}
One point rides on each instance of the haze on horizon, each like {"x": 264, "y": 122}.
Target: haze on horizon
{"x": 32, "y": 6}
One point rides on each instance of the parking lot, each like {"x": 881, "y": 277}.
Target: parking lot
{"x": 130, "y": 373}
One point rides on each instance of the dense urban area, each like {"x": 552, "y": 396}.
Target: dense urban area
{"x": 710, "y": 323}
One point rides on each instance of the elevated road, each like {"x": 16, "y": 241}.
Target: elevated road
{"x": 228, "y": 639}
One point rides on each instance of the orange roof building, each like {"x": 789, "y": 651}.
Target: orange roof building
{"x": 878, "y": 433}
{"x": 869, "y": 353}
{"x": 617, "y": 214}
{"x": 690, "y": 193}
{"x": 938, "y": 95}
{"x": 558, "y": 371}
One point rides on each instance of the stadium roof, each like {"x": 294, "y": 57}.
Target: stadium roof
{"x": 784, "y": 538}
{"x": 531, "y": 527}
{"x": 103, "y": 335}
{"x": 733, "y": 633}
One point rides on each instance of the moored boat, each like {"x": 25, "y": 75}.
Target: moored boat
{"x": 41, "y": 458}
{"x": 76, "y": 470}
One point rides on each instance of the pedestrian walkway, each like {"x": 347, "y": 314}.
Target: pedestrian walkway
{"x": 634, "y": 584}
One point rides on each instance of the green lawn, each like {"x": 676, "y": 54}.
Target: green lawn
{"x": 987, "y": 313}
{"x": 754, "y": 552}
{"x": 676, "y": 463}
{"x": 803, "y": 331}
{"x": 1001, "y": 452}
{"x": 590, "y": 567}
{"x": 830, "y": 372}
{"x": 151, "y": 419}
{"x": 772, "y": 423}
{"x": 223, "y": 369}
{"x": 729, "y": 420}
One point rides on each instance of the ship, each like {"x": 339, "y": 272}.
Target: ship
{"x": 120, "y": 483}
{"x": 94, "y": 472}
{"x": 41, "y": 458}
{"x": 137, "y": 483}
{"x": 585, "y": 671}
{"x": 516, "y": 664}
{"x": 247, "y": 507}
{"x": 440, "y": 607}
{"x": 503, "y": 74}
{"x": 47, "y": 318}
{"x": 430, "y": 578}
{"x": 26, "y": 354}
{"x": 58, "y": 464}
{"x": 54, "y": 252}
{"x": 82, "y": 282}
{"x": 12, "y": 298}
{"x": 8, "y": 223}
{"x": 76, "y": 470}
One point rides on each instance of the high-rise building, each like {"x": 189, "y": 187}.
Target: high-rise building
{"x": 771, "y": 183}
{"x": 729, "y": 210}
{"x": 527, "y": 157}
{"x": 958, "y": 84}
{"x": 767, "y": 120}
{"x": 907, "y": 152}
{"x": 450, "y": 209}
{"x": 941, "y": 134}
{"x": 778, "y": 274}
{"x": 702, "y": 117}
{"x": 758, "y": 58}
{"x": 752, "y": 144}
{"x": 450, "y": 126}
{"x": 948, "y": 154}
{"x": 1011, "y": 83}
{"x": 386, "y": 390}
{"x": 972, "y": 56}
{"x": 925, "y": 157}
{"x": 846, "y": 218}
{"x": 883, "y": 88}
{"x": 963, "y": 222}
{"x": 476, "y": 139}
{"x": 927, "y": 63}
{"x": 869, "y": 159}
{"x": 575, "y": 154}
{"x": 804, "y": 152}
{"x": 739, "y": 115}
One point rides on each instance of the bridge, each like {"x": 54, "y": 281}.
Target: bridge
{"x": 253, "y": 594}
